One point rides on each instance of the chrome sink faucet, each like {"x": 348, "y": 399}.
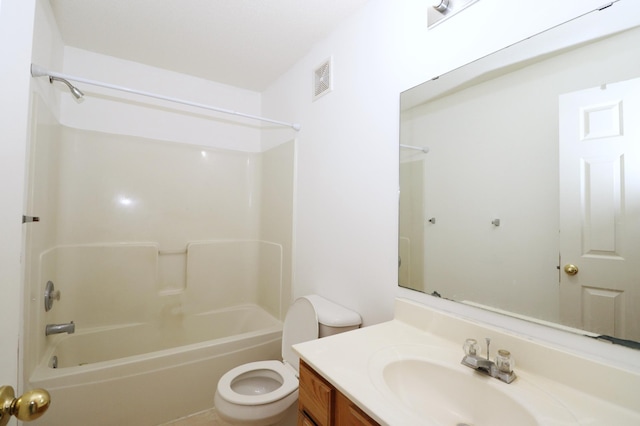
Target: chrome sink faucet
{"x": 501, "y": 369}
{"x": 60, "y": 328}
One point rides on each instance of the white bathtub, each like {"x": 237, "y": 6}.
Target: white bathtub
{"x": 149, "y": 374}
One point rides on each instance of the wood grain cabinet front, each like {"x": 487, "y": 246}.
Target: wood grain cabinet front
{"x": 320, "y": 404}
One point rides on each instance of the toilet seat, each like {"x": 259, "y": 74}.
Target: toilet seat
{"x": 277, "y": 370}
{"x": 300, "y": 325}
{"x": 264, "y": 392}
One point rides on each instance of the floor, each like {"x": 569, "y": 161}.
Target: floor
{"x": 204, "y": 418}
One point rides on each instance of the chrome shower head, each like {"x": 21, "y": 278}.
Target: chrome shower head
{"x": 77, "y": 93}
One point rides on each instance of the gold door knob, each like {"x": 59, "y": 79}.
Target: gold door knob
{"x": 571, "y": 269}
{"x": 29, "y": 406}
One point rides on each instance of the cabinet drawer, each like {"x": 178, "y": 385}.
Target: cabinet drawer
{"x": 303, "y": 420}
{"x": 316, "y": 396}
{"x": 348, "y": 414}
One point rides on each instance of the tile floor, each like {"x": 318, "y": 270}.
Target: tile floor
{"x": 204, "y": 418}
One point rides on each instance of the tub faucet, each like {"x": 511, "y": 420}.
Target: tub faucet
{"x": 60, "y": 328}
{"x": 501, "y": 369}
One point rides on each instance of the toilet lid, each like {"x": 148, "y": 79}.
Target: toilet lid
{"x": 300, "y": 325}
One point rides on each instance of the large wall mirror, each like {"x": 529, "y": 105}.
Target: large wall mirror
{"x": 520, "y": 179}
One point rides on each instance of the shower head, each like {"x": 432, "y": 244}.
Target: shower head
{"x": 77, "y": 93}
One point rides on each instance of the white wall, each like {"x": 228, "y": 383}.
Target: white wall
{"x": 16, "y": 35}
{"x": 122, "y": 113}
{"x": 347, "y": 186}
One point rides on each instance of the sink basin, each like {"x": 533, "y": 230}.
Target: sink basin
{"x": 450, "y": 397}
{"x": 429, "y": 383}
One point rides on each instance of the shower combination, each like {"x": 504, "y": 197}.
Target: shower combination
{"x": 38, "y": 71}
{"x": 77, "y": 93}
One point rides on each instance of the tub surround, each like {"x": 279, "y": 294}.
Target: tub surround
{"x": 144, "y": 231}
{"x": 587, "y": 390}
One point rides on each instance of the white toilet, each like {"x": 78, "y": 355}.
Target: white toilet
{"x": 266, "y": 392}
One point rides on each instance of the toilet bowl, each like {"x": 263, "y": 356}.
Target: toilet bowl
{"x": 265, "y": 393}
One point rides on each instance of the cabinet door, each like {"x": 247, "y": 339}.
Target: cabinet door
{"x": 315, "y": 399}
{"x": 348, "y": 414}
{"x": 303, "y": 420}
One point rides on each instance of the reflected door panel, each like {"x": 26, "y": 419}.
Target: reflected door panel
{"x": 411, "y": 225}
{"x": 600, "y": 208}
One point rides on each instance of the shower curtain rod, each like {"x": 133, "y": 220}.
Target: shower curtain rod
{"x": 38, "y": 71}
{"x": 419, "y": 148}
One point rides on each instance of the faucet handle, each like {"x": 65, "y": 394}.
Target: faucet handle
{"x": 504, "y": 361}
{"x": 470, "y": 347}
{"x": 50, "y": 294}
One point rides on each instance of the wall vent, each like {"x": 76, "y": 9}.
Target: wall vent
{"x": 322, "y": 79}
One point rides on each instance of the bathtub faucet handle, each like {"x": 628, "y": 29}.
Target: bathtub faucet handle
{"x": 50, "y": 294}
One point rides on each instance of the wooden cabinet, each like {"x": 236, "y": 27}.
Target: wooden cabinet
{"x": 320, "y": 404}
{"x": 316, "y": 399}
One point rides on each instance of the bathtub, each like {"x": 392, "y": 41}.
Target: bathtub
{"x": 150, "y": 373}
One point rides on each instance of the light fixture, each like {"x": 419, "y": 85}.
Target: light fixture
{"x": 441, "y": 5}
{"x": 441, "y": 10}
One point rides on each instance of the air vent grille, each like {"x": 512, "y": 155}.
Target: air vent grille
{"x": 322, "y": 79}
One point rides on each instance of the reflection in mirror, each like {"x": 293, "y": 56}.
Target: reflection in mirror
{"x": 528, "y": 199}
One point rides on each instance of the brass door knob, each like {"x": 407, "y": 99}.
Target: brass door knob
{"x": 570, "y": 269}
{"x": 29, "y": 406}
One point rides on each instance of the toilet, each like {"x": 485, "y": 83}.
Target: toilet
{"x": 266, "y": 392}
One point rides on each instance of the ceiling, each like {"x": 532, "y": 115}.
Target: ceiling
{"x": 243, "y": 43}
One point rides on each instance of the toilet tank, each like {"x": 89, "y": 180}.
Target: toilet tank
{"x": 333, "y": 318}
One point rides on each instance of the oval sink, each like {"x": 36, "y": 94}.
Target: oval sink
{"x": 429, "y": 383}
{"x": 450, "y": 397}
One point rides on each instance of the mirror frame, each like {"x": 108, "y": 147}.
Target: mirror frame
{"x": 585, "y": 28}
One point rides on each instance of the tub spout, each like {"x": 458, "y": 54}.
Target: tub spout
{"x": 60, "y": 328}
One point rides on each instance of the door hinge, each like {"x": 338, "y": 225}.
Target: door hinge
{"x": 26, "y": 219}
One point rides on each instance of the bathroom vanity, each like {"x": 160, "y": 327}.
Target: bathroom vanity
{"x": 408, "y": 371}
{"x": 321, "y": 404}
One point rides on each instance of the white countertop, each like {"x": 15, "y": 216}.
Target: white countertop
{"x": 594, "y": 393}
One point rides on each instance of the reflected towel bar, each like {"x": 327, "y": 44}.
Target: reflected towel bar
{"x": 424, "y": 149}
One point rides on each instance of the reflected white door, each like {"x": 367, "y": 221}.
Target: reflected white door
{"x": 600, "y": 209}
{"x": 411, "y": 241}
